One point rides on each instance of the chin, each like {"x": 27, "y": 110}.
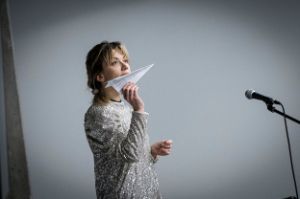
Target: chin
{"x": 126, "y": 73}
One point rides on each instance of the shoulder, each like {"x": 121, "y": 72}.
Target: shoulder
{"x": 94, "y": 109}
{"x": 98, "y": 110}
{"x": 94, "y": 112}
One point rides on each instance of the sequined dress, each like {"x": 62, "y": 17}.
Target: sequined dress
{"x": 123, "y": 163}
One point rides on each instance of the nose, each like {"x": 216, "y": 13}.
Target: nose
{"x": 124, "y": 66}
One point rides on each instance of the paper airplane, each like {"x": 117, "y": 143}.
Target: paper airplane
{"x": 119, "y": 82}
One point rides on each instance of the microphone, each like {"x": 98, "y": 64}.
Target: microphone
{"x": 252, "y": 94}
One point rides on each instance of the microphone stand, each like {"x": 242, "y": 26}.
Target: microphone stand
{"x": 273, "y": 109}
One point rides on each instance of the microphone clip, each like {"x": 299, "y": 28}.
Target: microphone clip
{"x": 270, "y": 107}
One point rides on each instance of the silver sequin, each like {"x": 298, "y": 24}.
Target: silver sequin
{"x": 123, "y": 163}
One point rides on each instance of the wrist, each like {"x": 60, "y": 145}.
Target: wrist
{"x": 154, "y": 156}
{"x": 139, "y": 109}
{"x": 153, "y": 153}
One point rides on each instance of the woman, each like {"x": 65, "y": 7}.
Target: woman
{"x": 117, "y": 135}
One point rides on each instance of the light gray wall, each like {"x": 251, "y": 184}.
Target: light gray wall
{"x": 206, "y": 54}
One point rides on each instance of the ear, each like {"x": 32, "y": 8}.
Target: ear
{"x": 100, "y": 78}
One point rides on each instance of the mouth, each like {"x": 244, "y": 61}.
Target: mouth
{"x": 125, "y": 73}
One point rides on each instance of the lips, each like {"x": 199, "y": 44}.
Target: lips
{"x": 126, "y": 72}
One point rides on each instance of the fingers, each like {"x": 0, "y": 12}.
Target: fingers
{"x": 134, "y": 91}
{"x": 165, "y": 147}
{"x": 164, "y": 151}
{"x": 167, "y": 144}
{"x": 125, "y": 90}
{"x": 130, "y": 91}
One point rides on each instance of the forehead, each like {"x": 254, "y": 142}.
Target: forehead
{"x": 116, "y": 53}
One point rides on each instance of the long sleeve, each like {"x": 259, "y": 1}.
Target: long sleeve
{"x": 108, "y": 137}
{"x": 132, "y": 146}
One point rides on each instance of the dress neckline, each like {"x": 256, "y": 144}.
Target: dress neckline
{"x": 118, "y": 101}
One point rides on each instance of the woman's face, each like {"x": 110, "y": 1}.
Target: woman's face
{"x": 118, "y": 66}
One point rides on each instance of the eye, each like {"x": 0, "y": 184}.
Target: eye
{"x": 114, "y": 62}
{"x": 126, "y": 61}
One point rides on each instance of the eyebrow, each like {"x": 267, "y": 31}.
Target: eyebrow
{"x": 118, "y": 58}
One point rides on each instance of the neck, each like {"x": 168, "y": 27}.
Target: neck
{"x": 112, "y": 94}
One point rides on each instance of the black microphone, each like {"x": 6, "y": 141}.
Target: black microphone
{"x": 251, "y": 94}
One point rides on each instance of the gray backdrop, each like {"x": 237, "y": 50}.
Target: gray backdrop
{"x": 206, "y": 54}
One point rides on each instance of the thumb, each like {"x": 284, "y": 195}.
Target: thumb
{"x": 168, "y": 142}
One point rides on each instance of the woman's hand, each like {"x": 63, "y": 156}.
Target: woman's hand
{"x": 130, "y": 92}
{"x": 161, "y": 148}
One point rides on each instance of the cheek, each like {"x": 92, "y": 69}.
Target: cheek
{"x": 114, "y": 73}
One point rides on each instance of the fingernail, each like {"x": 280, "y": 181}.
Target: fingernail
{"x": 169, "y": 141}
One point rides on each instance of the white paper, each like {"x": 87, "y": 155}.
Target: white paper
{"x": 119, "y": 82}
